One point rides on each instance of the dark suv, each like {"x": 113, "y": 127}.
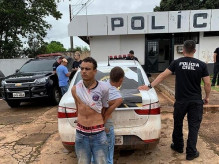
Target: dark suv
{"x": 34, "y": 80}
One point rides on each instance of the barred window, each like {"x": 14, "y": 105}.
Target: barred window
{"x": 180, "y": 38}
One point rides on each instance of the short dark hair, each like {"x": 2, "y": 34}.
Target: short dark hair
{"x": 116, "y": 74}
{"x": 91, "y": 60}
{"x": 189, "y": 46}
{"x": 131, "y": 52}
{"x": 61, "y": 57}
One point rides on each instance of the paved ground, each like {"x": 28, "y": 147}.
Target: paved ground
{"x": 23, "y": 131}
{"x": 29, "y": 135}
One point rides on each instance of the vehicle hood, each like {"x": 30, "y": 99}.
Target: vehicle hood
{"x": 21, "y": 77}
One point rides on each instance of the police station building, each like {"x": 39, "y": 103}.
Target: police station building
{"x": 155, "y": 37}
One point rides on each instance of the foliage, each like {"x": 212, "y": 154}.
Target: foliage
{"x": 55, "y": 46}
{"x": 80, "y": 49}
{"x": 23, "y": 19}
{"x": 177, "y": 5}
{"x": 77, "y": 48}
{"x": 35, "y": 48}
{"x": 85, "y": 49}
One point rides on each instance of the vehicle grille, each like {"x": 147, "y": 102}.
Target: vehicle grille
{"x": 18, "y": 89}
{"x": 20, "y": 80}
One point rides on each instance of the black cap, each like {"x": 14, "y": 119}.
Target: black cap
{"x": 131, "y": 52}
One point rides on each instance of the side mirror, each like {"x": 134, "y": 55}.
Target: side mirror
{"x": 148, "y": 75}
{"x": 16, "y": 71}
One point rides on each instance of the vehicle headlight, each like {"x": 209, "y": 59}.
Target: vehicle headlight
{"x": 42, "y": 80}
{"x": 3, "y": 83}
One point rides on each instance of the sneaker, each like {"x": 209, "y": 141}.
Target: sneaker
{"x": 189, "y": 157}
{"x": 177, "y": 150}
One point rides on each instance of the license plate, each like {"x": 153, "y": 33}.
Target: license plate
{"x": 118, "y": 140}
{"x": 19, "y": 94}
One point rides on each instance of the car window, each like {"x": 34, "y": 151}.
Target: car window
{"x": 133, "y": 77}
{"x": 37, "y": 66}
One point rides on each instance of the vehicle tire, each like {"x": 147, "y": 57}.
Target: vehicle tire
{"x": 56, "y": 96}
{"x": 14, "y": 104}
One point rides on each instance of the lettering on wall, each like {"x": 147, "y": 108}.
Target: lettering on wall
{"x": 195, "y": 20}
{"x": 117, "y": 22}
{"x": 179, "y": 21}
{"x": 153, "y": 26}
{"x": 137, "y": 18}
{"x": 144, "y": 23}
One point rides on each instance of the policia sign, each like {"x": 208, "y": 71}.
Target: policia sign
{"x": 143, "y": 23}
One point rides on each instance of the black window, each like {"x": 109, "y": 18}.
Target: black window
{"x": 180, "y": 38}
{"x": 37, "y": 66}
{"x": 210, "y": 34}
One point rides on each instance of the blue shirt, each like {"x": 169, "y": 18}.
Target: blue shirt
{"x": 61, "y": 71}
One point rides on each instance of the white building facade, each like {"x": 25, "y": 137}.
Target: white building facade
{"x": 155, "y": 37}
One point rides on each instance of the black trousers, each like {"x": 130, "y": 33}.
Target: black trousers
{"x": 216, "y": 74}
{"x": 194, "y": 111}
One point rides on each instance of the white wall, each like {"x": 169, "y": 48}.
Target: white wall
{"x": 103, "y": 46}
{"x": 9, "y": 66}
{"x": 207, "y": 47}
{"x": 179, "y": 55}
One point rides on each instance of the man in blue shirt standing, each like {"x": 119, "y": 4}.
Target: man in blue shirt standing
{"x": 63, "y": 76}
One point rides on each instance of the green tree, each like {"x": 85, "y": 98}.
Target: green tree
{"x": 176, "y": 5}
{"x": 81, "y": 49}
{"x": 84, "y": 48}
{"x": 35, "y": 48}
{"x": 77, "y": 48}
{"x": 23, "y": 19}
{"x": 55, "y": 46}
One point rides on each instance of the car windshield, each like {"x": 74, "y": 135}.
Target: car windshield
{"x": 133, "y": 79}
{"x": 37, "y": 66}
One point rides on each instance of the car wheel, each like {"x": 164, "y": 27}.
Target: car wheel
{"x": 14, "y": 104}
{"x": 56, "y": 96}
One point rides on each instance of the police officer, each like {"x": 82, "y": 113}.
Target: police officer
{"x": 131, "y": 56}
{"x": 189, "y": 72}
{"x": 216, "y": 67}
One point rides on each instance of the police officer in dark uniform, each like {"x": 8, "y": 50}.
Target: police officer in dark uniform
{"x": 189, "y": 73}
{"x": 131, "y": 56}
{"x": 56, "y": 64}
{"x": 216, "y": 67}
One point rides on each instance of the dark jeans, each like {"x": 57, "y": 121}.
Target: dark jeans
{"x": 194, "y": 111}
{"x": 216, "y": 74}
